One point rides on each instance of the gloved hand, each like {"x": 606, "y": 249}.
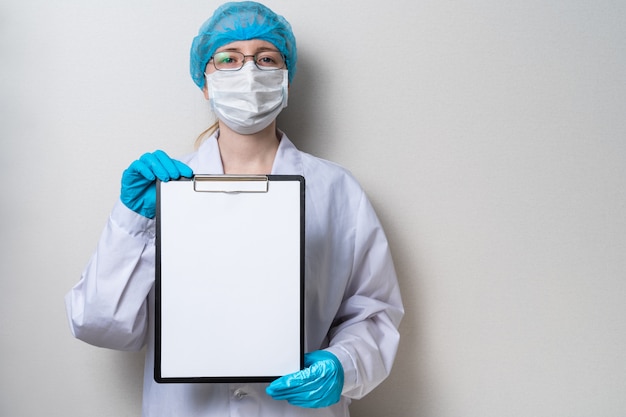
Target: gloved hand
{"x": 138, "y": 180}
{"x": 316, "y": 386}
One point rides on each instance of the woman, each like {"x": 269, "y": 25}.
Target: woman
{"x": 243, "y": 60}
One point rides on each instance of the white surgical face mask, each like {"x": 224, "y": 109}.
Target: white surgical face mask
{"x": 248, "y": 100}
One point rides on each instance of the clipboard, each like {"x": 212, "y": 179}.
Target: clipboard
{"x": 229, "y": 284}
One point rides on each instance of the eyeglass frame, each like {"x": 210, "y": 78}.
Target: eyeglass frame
{"x": 254, "y": 60}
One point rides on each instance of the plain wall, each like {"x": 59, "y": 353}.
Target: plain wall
{"x": 490, "y": 136}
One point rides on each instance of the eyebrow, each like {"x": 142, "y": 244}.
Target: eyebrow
{"x": 259, "y": 49}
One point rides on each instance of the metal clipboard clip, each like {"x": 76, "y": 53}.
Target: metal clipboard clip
{"x": 230, "y": 183}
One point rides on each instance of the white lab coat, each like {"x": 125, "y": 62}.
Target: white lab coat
{"x": 353, "y": 304}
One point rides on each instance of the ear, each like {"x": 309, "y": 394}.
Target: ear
{"x": 205, "y": 90}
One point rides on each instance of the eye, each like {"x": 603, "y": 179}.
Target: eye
{"x": 270, "y": 59}
{"x": 227, "y": 59}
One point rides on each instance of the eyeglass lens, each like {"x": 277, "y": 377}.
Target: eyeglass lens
{"x": 231, "y": 60}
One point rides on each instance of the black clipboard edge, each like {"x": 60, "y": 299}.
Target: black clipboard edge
{"x": 157, "y": 292}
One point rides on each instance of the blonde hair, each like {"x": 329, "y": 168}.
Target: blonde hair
{"x": 202, "y": 136}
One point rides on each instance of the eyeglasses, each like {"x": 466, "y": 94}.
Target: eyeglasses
{"x": 234, "y": 61}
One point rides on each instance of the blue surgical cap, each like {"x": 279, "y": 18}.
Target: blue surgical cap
{"x": 241, "y": 21}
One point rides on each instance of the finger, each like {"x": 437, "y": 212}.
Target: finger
{"x": 308, "y": 403}
{"x": 292, "y": 384}
{"x": 184, "y": 169}
{"x": 168, "y": 164}
{"x": 154, "y": 164}
{"x": 141, "y": 168}
{"x": 280, "y": 388}
{"x": 314, "y": 397}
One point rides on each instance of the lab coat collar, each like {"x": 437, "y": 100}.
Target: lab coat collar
{"x": 209, "y": 159}
{"x": 288, "y": 160}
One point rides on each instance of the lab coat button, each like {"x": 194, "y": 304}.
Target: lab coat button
{"x": 239, "y": 394}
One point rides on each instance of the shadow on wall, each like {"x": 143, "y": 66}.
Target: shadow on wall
{"x": 406, "y": 390}
{"x": 305, "y": 115}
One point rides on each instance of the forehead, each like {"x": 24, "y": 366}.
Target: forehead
{"x": 252, "y": 45}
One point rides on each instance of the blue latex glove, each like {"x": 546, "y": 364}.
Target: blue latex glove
{"x": 318, "y": 385}
{"x": 138, "y": 181}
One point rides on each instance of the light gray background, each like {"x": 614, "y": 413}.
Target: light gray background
{"x": 490, "y": 136}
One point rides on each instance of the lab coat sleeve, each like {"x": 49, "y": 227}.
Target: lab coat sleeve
{"x": 108, "y": 306}
{"x": 365, "y": 333}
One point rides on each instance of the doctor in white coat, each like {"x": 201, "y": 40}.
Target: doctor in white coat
{"x": 243, "y": 59}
